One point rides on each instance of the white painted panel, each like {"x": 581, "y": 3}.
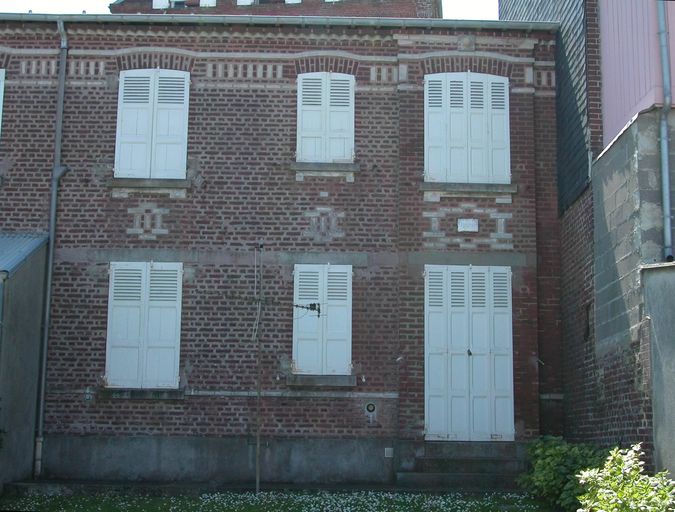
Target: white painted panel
{"x": 308, "y": 354}
{"x": 437, "y": 418}
{"x": 124, "y": 356}
{"x": 312, "y": 114}
{"x": 164, "y": 321}
{"x": 134, "y": 124}
{"x": 338, "y": 320}
{"x": 435, "y": 128}
{"x": 436, "y": 371}
{"x": 459, "y": 128}
{"x": 171, "y": 125}
{"x": 500, "y": 157}
{"x": 160, "y": 4}
{"x": 340, "y": 108}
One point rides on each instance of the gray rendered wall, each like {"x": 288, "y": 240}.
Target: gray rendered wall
{"x": 19, "y": 366}
{"x": 659, "y": 286}
{"x": 218, "y": 460}
{"x": 628, "y": 229}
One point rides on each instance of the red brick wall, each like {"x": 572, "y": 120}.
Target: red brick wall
{"x": 348, "y": 8}
{"x": 607, "y": 390}
{"x": 241, "y": 142}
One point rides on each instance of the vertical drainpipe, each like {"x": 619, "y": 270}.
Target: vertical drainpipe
{"x": 57, "y": 173}
{"x": 664, "y": 149}
{"x": 3, "y": 276}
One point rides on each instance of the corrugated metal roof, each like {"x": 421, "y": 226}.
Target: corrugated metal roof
{"x": 16, "y": 247}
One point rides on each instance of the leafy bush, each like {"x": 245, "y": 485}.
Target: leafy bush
{"x": 621, "y": 486}
{"x": 555, "y": 464}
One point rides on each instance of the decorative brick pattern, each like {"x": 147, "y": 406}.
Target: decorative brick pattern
{"x": 148, "y": 221}
{"x": 324, "y": 224}
{"x": 491, "y": 219}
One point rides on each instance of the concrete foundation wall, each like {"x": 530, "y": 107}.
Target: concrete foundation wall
{"x": 628, "y": 229}
{"x": 218, "y": 460}
{"x": 659, "y": 287}
{"x": 19, "y": 367}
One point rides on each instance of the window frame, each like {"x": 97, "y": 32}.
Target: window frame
{"x": 464, "y": 143}
{"x": 328, "y": 113}
{"x": 328, "y": 337}
{"x": 153, "y": 108}
{"x": 146, "y": 307}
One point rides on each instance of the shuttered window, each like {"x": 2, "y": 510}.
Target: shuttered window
{"x": 468, "y": 353}
{"x": 325, "y": 117}
{"x": 322, "y": 341}
{"x": 144, "y": 316}
{"x": 152, "y": 124}
{"x": 160, "y": 4}
{"x": 466, "y": 134}
{"x": 2, "y": 93}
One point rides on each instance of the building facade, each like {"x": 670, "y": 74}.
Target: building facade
{"x": 344, "y": 233}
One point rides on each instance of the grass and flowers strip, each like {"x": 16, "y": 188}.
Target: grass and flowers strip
{"x": 365, "y": 501}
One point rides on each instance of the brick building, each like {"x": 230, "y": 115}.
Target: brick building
{"x": 400, "y": 177}
{"x": 616, "y": 241}
{"x": 365, "y": 8}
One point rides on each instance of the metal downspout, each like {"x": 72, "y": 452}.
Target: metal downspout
{"x": 3, "y": 276}
{"x": 664, "y": 145}
{"x": 57, "y": 173}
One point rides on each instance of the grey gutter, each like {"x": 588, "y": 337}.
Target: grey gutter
{"x": 302, "y": 21}
{"x": 57, "y": 173}
{"x": 3, "y": 277}
{"x": 663, "y": 143}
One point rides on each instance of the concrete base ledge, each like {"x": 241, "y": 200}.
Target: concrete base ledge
{"x": 228, "y": 460}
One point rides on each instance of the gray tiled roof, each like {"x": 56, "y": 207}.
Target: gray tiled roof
{"x": 16, "y": 247}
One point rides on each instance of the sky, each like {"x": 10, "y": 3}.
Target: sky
{"x": 457, "y": 9}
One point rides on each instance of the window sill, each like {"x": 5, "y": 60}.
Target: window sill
{"x": 321, "y": 381}
{"x": 433, "y": 191}
{"x": 141, "y": 394}
{"x": 325, "y": 169}
{"x": 122, "y": 187}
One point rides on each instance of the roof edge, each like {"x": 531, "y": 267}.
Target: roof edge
{"x": 329, "y": 21}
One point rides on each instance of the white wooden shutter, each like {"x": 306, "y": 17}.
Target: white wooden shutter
{"x": 134, "y": 124}
{"x": 311, "y": 141}
{"x": 436, "y": 356}
{"x": 340, "y": 125}
{"x": 170, "y": 124}
{"x": 245, "y": 2}
{"x": 435, "y": 128}
{"x": 307, "y": 325}
{"x": 207, "y": 3}
{"x": 163, "y": 325}
{"x": 160, "y": 4}
{"x": 479, "y": 360}
{"x": 458, "y": 137}
{"x": 337, "y": 317}
{"x": 479, "y": 150}
{"x": 502, "y": 354}
{"x": 500, "y": 141}
{"x": 459, "y": 361}
{"x": 126, "y": 324}
{"x": 2, "y": 94}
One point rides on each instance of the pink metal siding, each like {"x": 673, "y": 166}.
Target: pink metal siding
{"x": 631, "y": 70}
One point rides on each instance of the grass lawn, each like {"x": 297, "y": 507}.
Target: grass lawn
{"x": 281, "y": 502}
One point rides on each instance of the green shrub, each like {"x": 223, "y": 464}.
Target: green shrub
{"x": 622, "y": 486}
{"x": 555, "y": 464}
